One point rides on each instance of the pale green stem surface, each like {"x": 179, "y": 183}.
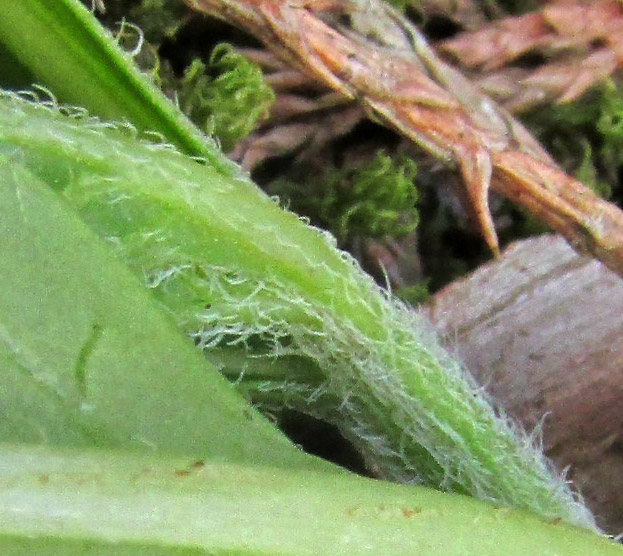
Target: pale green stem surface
{"x": 231, "y": 266}
{"x": 69, "y": 502}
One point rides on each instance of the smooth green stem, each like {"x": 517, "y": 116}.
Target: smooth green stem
{"x": 62, "y": 502}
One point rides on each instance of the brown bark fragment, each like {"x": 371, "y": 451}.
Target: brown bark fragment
{"x": 542, "y": 329}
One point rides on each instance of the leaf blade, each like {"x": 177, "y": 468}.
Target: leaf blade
{"x": 66, "y": 48}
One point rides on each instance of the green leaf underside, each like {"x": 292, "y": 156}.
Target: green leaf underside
{"x": 86, "y": 357}
{"x": 230, "y": 266}
{"x": 268, "y": 276}
{"x": 55, "y": 501}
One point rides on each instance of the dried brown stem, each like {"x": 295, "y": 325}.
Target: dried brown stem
{"x": 581, "y": 41}
{"x": 370, "y": 53}
{"x": 305, "y": 117}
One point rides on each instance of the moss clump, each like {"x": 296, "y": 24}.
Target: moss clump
{"x": 158, "y": 19}
{"x": 586, "y": 136}
{"x": 225, "y": 98}
{"x": 375, "y": 200}
{"x": 414, "y": 294}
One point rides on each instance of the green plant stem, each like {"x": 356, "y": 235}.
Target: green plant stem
{"x": 231, "y": 267}
{"x": 69, "y": 502}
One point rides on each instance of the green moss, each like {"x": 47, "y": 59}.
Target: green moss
{"x": 586, "y": 136}
{"x": 159, "y": 19}
{"x": 225, "y": 98}
{"x": 414, "y": 294}
{"x": 373, "y": 201}
{"x": 587, "y": 173}
{"x": 610, "y": 126}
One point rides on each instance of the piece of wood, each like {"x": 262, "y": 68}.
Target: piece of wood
{"x": 542, "y": 329}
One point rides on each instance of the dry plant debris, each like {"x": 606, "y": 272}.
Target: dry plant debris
{"x": 369, "y": 52}
{"x": 297, "y": 122}
{"x": 469, "y": 14}
{"x": 581, "y": 42}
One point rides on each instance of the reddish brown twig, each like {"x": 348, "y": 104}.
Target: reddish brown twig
{"x": 370, "y": 53}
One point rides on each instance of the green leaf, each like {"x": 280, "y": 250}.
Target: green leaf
{"x": 88, "y": 359}
{"x": 69, "y": 52}
{"x": 94, "y": 502}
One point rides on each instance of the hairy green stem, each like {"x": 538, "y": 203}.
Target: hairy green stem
{"x": 234, "y": 269}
